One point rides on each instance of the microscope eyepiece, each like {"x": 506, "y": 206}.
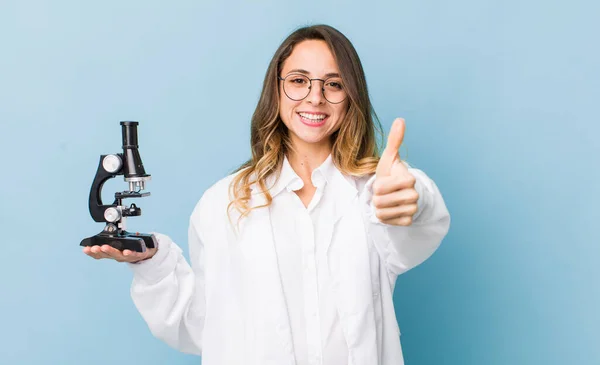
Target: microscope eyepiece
{"x": 133, "y": 168}
{"x": 129, "y": 130}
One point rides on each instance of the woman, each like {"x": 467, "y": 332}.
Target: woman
{"x": 294, "y": 257}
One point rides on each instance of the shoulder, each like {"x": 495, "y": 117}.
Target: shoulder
{"x": 214, "y": 201}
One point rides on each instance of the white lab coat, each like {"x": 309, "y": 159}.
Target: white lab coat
{"x": 229, "y": 307}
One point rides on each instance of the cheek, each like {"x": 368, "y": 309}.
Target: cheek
{"x": 283, "y": 107}
{"x": 340, "y": 113}
{"x": 286, "y": 109}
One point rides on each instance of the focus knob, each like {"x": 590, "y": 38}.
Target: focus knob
{"x": 112, "y": 215}
{"x": 112, "y": 163}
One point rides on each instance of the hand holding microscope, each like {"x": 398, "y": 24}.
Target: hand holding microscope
{"x": 129, "y": 164}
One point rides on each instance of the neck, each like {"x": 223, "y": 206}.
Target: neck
{"x": 305, "y": 157}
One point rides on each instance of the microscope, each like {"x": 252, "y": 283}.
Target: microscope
{"x": 129, "y": 164}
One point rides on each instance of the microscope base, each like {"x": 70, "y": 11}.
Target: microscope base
{"x": 123, "y": 240}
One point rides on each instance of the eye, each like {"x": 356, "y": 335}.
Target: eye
{"x": 335, "y": 85}
{"x": 298, "y": 80}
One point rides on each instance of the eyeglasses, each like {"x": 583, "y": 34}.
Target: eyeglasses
{"x": 297, "y": 87}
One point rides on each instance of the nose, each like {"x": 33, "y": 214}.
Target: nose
{"x": 315, "y": 95}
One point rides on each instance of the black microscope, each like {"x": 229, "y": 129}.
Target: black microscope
{"x": 129, "y": 164}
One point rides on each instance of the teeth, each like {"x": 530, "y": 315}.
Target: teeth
{"x": 312, "y": 116}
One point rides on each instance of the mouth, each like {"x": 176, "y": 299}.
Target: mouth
{"x": 313, "y": 119}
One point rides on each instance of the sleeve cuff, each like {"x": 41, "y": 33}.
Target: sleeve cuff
{"x": 161, "y": 264}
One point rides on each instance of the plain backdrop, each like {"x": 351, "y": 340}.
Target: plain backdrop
{"x": 501, "y": 104}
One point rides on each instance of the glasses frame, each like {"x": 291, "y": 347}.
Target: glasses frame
{"x": 310, "y": 88}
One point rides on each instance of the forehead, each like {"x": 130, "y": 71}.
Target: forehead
{"x": 313, "y": 56}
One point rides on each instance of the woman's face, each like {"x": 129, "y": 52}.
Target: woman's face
{"x": 313, "y": 119}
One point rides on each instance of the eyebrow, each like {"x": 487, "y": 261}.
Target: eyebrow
{"x": 299, "y": 70}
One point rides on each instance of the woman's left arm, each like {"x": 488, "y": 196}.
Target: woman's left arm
{"x": 406, "y": 214}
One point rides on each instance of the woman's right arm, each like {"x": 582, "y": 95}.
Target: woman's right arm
{"x": 169, "y": 293}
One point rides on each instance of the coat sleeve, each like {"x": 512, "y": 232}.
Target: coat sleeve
{"x": 169, "y": 293}
{"x": 405, "y": 247}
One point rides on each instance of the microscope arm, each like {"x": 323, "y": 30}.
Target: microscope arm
{"x": 97, "y": 209}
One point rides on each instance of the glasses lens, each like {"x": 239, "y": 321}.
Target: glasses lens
{"x": 334, "y": 90}
{"x": 296, "y": 87}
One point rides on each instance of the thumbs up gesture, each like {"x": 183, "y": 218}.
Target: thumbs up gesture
{"x": 394, "y": 195}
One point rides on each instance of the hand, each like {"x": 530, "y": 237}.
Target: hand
{"x": 108, "y": 252}
{"x": 394, "y": 195}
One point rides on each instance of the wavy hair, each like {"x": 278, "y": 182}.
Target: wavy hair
{"x": 355, "y": 147}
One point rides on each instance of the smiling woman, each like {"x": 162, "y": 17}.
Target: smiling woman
{"x": 294, "y": 256}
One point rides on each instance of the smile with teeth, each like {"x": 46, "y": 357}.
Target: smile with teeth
{"x": 312, "y": 118}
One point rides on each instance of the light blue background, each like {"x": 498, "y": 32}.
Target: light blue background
{"x": 501, "y": 103}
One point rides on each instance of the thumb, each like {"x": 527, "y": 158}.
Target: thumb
{"x": 390, "y": 153}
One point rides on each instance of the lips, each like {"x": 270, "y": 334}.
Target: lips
{"x": 312, "y": 119}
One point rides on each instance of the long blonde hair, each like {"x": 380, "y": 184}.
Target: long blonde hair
{"x": 355, "y": 148}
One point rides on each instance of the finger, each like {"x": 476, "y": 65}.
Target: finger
{"x": 133, "y": 256}
{"x": 125, "y": 255}
{"x": 402, "y": 221}
{"x": 88, "y": 251}
{"x": 390, "y": 153}
{"x": 402, "y": 197}
{"x": 129, "y": 253}
{"x": 395, "y": 137}
{"x": 98, "y": 251}
{"x": 389, "y": 184}
{"x": 95, "y": 252}
{"x": 112, "y": 252}
{"x": 386, "y": 214}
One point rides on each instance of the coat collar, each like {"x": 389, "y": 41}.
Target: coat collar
{"x": 327, "y": 174}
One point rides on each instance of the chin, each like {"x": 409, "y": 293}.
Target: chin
{"x": 315, "y": 141}
{"x": 305, "y": 136}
